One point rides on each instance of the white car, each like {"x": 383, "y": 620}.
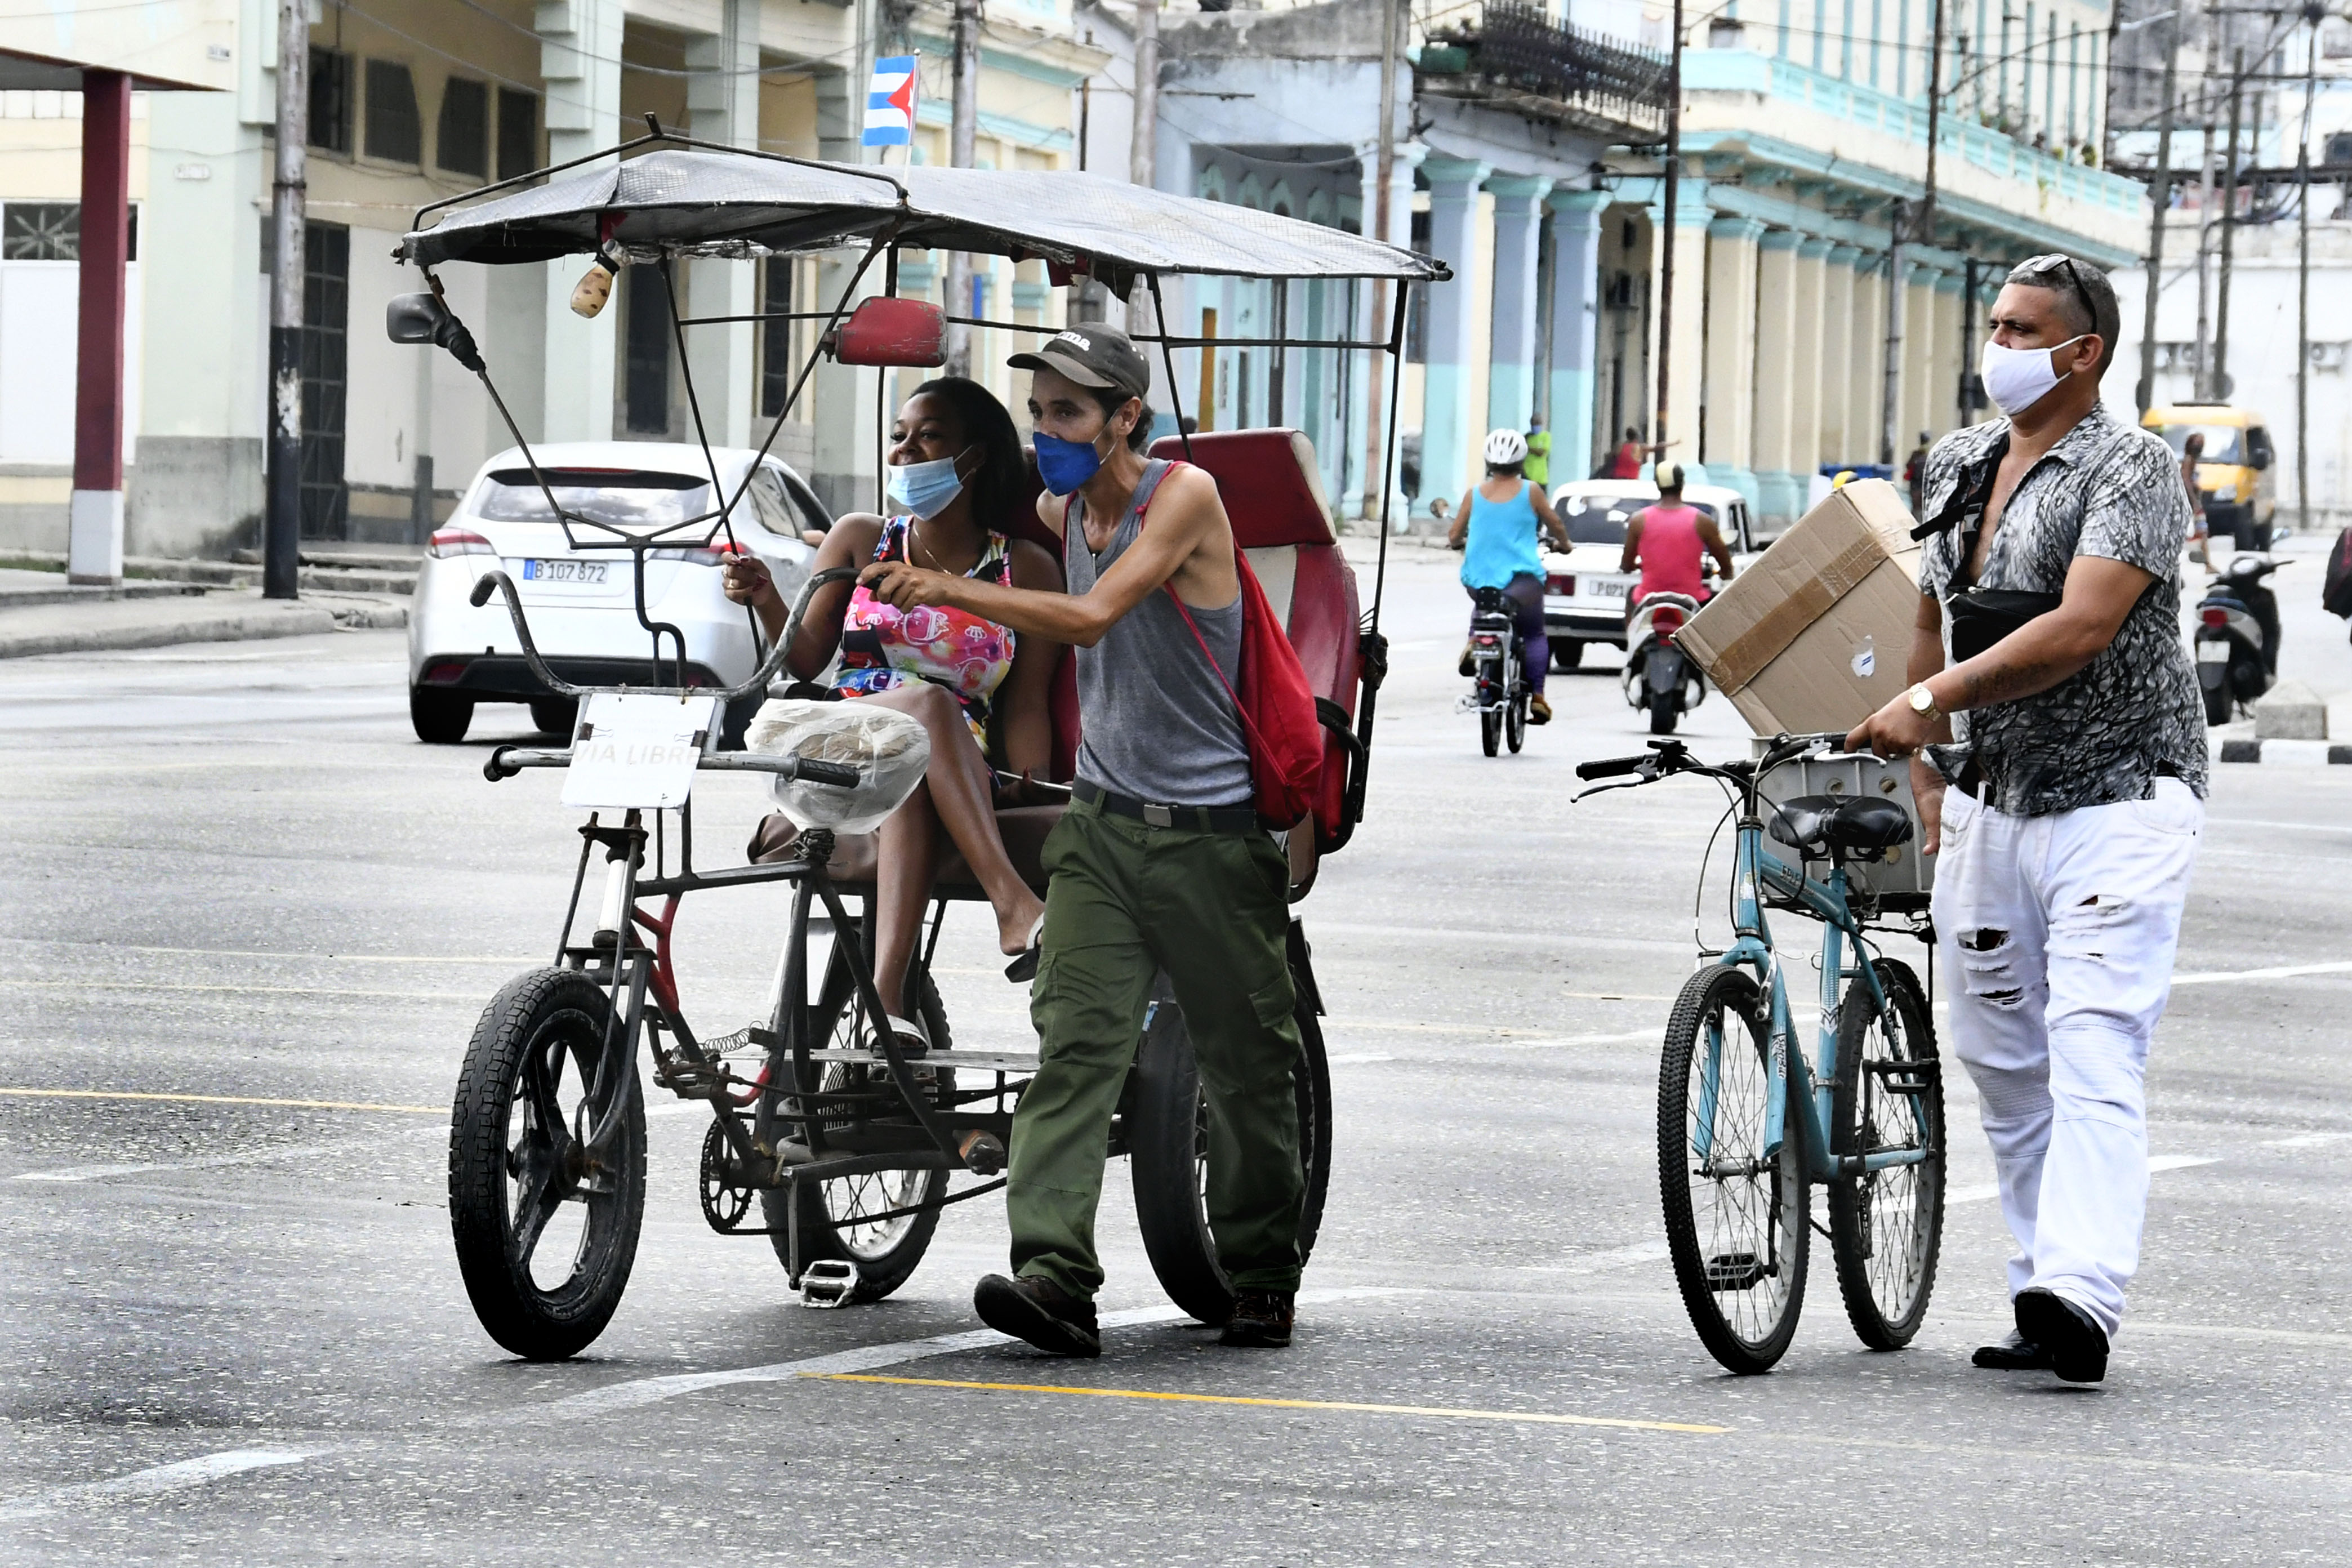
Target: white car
{"x": 1584, "y": 593}
{"x": 581, "y": 602}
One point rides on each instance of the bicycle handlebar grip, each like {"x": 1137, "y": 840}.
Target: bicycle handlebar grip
{"x": 840, "y": 775}
{"x": 484, "y": 587}
{"x": 497, "y": 767}
{"x": 1610, "y": 767}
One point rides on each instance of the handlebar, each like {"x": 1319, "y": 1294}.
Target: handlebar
{"x": 506, "y": 761}
{"x": 1611, "y": 767}
{"x": 499, "y": 582}
{"x": 1673, "y": 757}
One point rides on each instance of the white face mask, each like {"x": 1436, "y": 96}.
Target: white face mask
{"x": 2016, "y": 379}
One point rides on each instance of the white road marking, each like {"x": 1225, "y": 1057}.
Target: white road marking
{"x": 1353, "y": 1057}
{"x": 160, "y": 1479}
{"x": 1607, "y": 1258}
{"x": 1616, "y": 1039}
{"x": 341, "y": 1150}
{"x": 2282, "y": 972}
{"x": 2260, "y": 822}
{"x": 1973, "y": 1194}
{"x": 2307, "y": 1139}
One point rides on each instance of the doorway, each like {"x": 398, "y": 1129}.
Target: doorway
{"x": 326, "y": 313}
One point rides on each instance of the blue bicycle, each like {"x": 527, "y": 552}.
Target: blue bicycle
{"x": 1746, "y": 1125}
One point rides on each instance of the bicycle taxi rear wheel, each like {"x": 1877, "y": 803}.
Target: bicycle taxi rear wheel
{"x": 546, "y": 1231}
{"x": 1736, "y": 1212}
{"x": 1886, "y": 1225}
{"x": 1168, "y": 1144}
{"x": 833, "y": 1227}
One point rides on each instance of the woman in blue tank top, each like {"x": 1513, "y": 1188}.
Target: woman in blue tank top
{"x": 1495, "y": 532}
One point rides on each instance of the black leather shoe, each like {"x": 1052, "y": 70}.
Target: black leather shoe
{"x": 1261, "y": 1319}
{"x": 1039, "y": 1311}
{"x": 2015, "y": 1352}
{"x": 2076, "y": 1346}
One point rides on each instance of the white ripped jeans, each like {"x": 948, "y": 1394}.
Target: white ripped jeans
{"x": 2061, "y": 931}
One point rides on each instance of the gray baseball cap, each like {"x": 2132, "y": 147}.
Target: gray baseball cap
{"x": 1091, "y": 355}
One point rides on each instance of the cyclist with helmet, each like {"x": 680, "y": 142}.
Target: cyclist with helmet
{"x": 1496, "y": 530}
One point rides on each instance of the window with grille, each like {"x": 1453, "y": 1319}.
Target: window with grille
{"x": 776, "y": 337}
{"x": 49, "y": 231}
{"x": 461, "y": 142}
{"x": 331, "y": 100}
{"x": 394, "y": 132}
{"x": 518, "y": 133}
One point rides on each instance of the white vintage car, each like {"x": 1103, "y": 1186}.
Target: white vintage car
{"x": 582, "y": 603}
{"x": 1584, "y": 593}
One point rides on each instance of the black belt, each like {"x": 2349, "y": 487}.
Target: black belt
{"x": 1976, "y": 782}
{"x": 1203, "y": 818}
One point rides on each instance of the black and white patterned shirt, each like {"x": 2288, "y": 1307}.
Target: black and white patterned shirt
{"x": 2105, "y": 733}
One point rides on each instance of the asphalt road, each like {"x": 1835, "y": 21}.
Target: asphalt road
{"x": 231, "y": 1329}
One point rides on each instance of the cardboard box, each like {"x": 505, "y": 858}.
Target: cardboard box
{"x": 1816, "y": 635}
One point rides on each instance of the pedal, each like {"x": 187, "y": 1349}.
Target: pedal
{"x": 1734, "y": 1271}
{"x": 983, "y": 1153}
{"x": 828, "y": 1282}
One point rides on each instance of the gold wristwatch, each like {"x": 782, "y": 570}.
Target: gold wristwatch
{"x": 1923, "y": 702}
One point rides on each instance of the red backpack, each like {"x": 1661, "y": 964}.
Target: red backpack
{"x": 1276, "y": 707}
{"x": 2335, "y": 592}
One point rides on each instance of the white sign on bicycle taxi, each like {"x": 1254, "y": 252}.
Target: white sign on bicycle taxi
{"x": 637, "y": 749}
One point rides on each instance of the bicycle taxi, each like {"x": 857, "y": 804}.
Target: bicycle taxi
{"x": 820, "y": 1125}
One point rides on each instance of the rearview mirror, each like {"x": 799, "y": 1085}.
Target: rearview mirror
{"x": 423, "y": 319}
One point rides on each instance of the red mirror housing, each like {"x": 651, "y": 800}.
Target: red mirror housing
{"x": 890, "y": 331}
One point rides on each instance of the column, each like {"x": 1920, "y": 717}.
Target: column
{"x": 1919, "y": 352}
{"x": 580, "y": 56}
{"x": 1362, "y": 500}
{"x": 1731, "y": 353}
{"x": 1518, "y": 313}
{"x": 1779, "y": 492}
{"x": 1449, "y": 430}
{"x": 1944, "y": 365}
{"x": 722, "y": 104}
{"x": 1865, "y": 359}
{"x": 1805, "y": 367}
{"x": 94, "y": 526}
{"x": 1575, "y": 326}
{"x": 1687, "y": 370}
{"x": 1838, "y": 278}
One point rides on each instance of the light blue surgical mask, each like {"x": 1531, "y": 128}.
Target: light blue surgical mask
{"x": 925, "y": 488}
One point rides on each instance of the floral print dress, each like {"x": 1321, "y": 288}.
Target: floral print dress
{"x": 884, "y": 647}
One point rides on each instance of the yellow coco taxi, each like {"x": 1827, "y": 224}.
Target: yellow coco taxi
{"x": 2234, "y": 471}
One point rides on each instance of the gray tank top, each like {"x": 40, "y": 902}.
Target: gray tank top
{"x": 1157, "y": 724}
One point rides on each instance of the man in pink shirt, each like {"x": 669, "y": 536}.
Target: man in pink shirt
{"x": 1667, "y": 542}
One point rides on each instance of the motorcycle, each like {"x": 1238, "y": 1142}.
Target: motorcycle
{"x": 1659, "y": 675}
{"x": 2237, "y": 636}
{"x": 1498, "y": 660}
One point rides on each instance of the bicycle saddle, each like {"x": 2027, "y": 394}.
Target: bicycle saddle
{"x": 1815, "y": 823}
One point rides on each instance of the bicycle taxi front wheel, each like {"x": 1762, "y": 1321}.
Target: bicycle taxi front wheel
{"x": 1886, "y": 1225}
{"x": 1737, "y": 1210}
{"x": 1167, "y": 1145}
{"x": 545, "y": 1220}
{"x": 838, "y": 1219}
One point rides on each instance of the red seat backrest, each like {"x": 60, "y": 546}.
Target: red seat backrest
{"x": 1272, "y": 488}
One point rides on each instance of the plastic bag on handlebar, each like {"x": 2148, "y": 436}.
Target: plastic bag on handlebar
{"x": 889, "y": 749}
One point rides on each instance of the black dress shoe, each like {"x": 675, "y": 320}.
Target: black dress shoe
{"x": 1261, "y": 1319}
{"x": 1041, "y": 1312}
{"x": 2076, "y": 1346}
{"x": 2015, "y": 1352}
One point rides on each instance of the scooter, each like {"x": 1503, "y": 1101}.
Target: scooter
{"x": 1498, "y": 660}
{"x": 1658, "y": 675}
{"x": 2237, "y": 636}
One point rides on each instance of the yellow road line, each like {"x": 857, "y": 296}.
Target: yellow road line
{"x": 222, "y": 1099}
{"x": 235, "y": 990}
{"x": 1528, "y": 1416}
{"x": 296, "y": 957}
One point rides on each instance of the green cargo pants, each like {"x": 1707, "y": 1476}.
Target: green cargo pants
{"x": 1211, "y": 909}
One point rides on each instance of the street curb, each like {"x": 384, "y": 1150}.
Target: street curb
{"x": 291, "y": 621}
{"x": 2252, "y": 751}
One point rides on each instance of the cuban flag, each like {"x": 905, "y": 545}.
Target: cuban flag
{"x": 890, "y": 103}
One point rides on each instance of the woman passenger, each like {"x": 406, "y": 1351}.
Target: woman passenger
{"x": 955, "y": 469}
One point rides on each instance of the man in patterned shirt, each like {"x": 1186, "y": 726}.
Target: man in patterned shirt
{"x": 2049, "y": 630}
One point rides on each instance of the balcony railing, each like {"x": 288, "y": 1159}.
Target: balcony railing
{"x": 1516, "y": 51}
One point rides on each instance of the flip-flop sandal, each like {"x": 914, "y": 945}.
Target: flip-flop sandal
{"x": 1023, "y": 967}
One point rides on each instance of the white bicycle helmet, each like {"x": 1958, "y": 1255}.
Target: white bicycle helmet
{"x": 1506, "y": 449}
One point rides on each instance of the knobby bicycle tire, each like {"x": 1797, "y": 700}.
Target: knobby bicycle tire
{"x": 1886, "y": 1227}
{"x": 1747, "y": 1245}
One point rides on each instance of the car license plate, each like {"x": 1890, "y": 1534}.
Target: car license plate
{"x": 1607, "y": 590}
{"x": 565, "y": 571}
{"x": 2212, "y": 653}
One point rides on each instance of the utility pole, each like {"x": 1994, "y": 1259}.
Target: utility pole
{"x": 1666, "y": 228}
{"x": 1142, "y": 150}
{"x": 2205, "y": 259}
{"x": 1890, "y": 396}
{"x": 963, "y": 126}
{"x": 1376, "y": 477}
{"x": 2162, "y": 191}
{"x": 281, "y": 541}
{"x": 2313, "y": 13}
{"x": 1968, "y": 388}
{"x": 1935, "y": 120}
{"x": 2229, "y": 229}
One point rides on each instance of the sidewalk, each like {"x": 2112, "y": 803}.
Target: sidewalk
{"x": 40, "y": 614}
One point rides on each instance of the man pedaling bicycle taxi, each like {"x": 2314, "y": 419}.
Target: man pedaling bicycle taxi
{"x": 1159, "y": 863}
{"x": 1495, "y": 532}
{"x": 1669, "y": 541}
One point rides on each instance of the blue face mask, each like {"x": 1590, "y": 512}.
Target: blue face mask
{"x": 925, "y": 489}
{"x": 1066, "y": 465}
